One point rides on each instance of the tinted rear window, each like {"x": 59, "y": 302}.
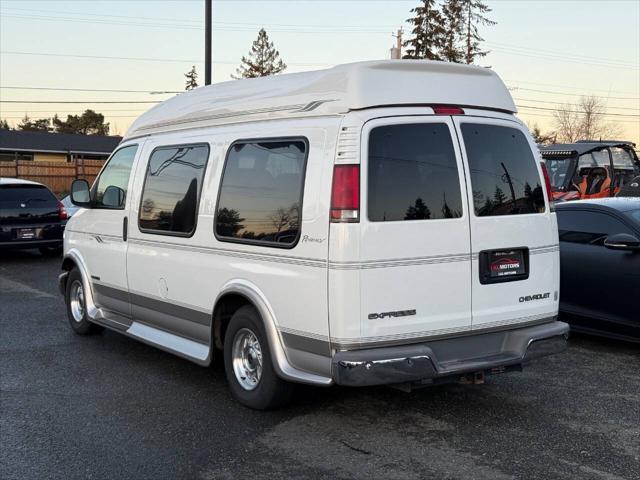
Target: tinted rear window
{"x": 504, "y": 174}
{"x": 413, "y": 173}
{"x": 30, "y": 195}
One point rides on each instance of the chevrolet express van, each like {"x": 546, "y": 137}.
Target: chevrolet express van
{"x": 375, "y": 223}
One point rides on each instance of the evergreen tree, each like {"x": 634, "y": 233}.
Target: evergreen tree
{"x": 89, "y": 123}
{"x": 263, "y": 60}
{"x": 192, "y": 79}
{"x": 4, "y": 125}
{"x": 499, "y": 196}
{"x": 453, "y": 22}
{"x": 40, "y": 125}
{"x": 419, "y": 211}
{"x": 428, "y": 32}
{"x": 474, "y": 15}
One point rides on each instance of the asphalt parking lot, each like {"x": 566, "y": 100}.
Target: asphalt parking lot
{"x": 107, "y": 407}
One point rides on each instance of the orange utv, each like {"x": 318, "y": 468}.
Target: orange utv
{"x": 590, "y": 169}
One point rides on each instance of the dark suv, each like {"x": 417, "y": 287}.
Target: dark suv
{"x": 30, "y": 216}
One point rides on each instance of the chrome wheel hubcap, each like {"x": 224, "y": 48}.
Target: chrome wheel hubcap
{"x": 76, "y": 299}
{"x": 246, "y": 356}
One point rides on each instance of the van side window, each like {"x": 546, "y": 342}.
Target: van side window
{"x": 171, "y": 191}
{"x": 260, "y": 199}
{"x": 110, "y": 189}
{"x": 413, "y": 173}
{"x": 504, "y": 173}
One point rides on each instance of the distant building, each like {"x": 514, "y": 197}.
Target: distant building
{"x": 54, "y": 147}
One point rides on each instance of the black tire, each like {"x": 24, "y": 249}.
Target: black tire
{"x": 271, "y": 391}
{"x": 81, "y": 326}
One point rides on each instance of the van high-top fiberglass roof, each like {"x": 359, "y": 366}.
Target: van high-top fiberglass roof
{"x": 333, "y": 91}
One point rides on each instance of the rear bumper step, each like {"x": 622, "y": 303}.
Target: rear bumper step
{"x": 449, "y": 358}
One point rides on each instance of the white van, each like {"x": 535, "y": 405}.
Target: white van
{"x": 374, "y": 223}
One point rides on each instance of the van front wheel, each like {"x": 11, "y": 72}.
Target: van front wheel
{"x": 77, "y": 306}
{"x": 248, "y": 366}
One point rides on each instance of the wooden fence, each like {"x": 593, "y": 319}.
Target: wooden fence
{"x": 56, "y": 175}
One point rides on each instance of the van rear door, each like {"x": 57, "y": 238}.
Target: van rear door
{"x": 514, "y": 237}
{"x": 415, "y": 266}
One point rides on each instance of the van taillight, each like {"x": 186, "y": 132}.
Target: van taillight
{"x": 345, "y": 194}
{"x": 62, "y": 212}
{"x": 447, "y": 110}
{"x": 547, "y": 183}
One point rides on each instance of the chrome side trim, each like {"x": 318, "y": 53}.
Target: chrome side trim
{"x": 281, "y": 363}
{"x": 168, "y": 341}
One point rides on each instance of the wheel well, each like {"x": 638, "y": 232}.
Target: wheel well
{"x": 222, "y": 313}
{"x": 68, "y": 264}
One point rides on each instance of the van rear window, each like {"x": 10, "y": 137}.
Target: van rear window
{"x": 504, "y": 174}
{"x": 413, "y": 173}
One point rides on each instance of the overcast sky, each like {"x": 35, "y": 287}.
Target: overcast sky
{"x": 549, "y": 52}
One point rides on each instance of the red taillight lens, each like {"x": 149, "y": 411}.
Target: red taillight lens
{"x": 547, "y": 182}
{"x": 345, "y": 194}
{"x": 62, "y": 212}
{"x": 447, "y": 110}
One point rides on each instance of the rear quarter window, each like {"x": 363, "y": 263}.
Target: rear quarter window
{"x": 503, "y": 170}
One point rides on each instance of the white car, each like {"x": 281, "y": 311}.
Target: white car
{"x": 374, "y": 223}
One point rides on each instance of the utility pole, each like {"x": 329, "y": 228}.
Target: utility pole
{"x": 207, "y": 41}
{"x": 396, "y": 52}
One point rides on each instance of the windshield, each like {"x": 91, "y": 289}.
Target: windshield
{"x": 558, "y": 169}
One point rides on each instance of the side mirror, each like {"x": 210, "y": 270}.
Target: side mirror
{"x": 80, "y": 194}
{"x": 622, "y": 241}
{"x": 113, "y": 197}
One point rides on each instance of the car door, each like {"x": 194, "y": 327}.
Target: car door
{"x": 102, "y": 228}
{"x": 513, "y": 234}
{"x": 597, "y": 282}
{"x": 415, "y": 265}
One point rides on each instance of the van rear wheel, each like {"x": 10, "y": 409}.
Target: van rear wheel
{"x": 76, "y": 306}
{"x": 248, "y": 366}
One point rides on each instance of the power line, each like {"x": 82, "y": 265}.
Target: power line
{"x": 556, "y": 103}
{"x": 146, "y": 59}
{"x": 91, "y": 90}
{"x": 571, "y": 87}
{"x": 228, "y": 27}
{"x": 572, "y": 94}
{"x": 563, "y": 55}
{"x": 106, "y": 116}
{"x": 198, "y": 22}
{"x": 577, "y": 111}
{"x": 564, "y": 59}
{"x": 78, "y": 102}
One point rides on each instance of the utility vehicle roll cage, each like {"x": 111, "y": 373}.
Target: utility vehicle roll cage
{"x": 602, "y": 177}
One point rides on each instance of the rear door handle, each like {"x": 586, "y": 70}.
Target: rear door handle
{"x": 124, "y": 228}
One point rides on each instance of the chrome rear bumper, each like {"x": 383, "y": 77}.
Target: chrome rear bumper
{"x": 449, "y": 358}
